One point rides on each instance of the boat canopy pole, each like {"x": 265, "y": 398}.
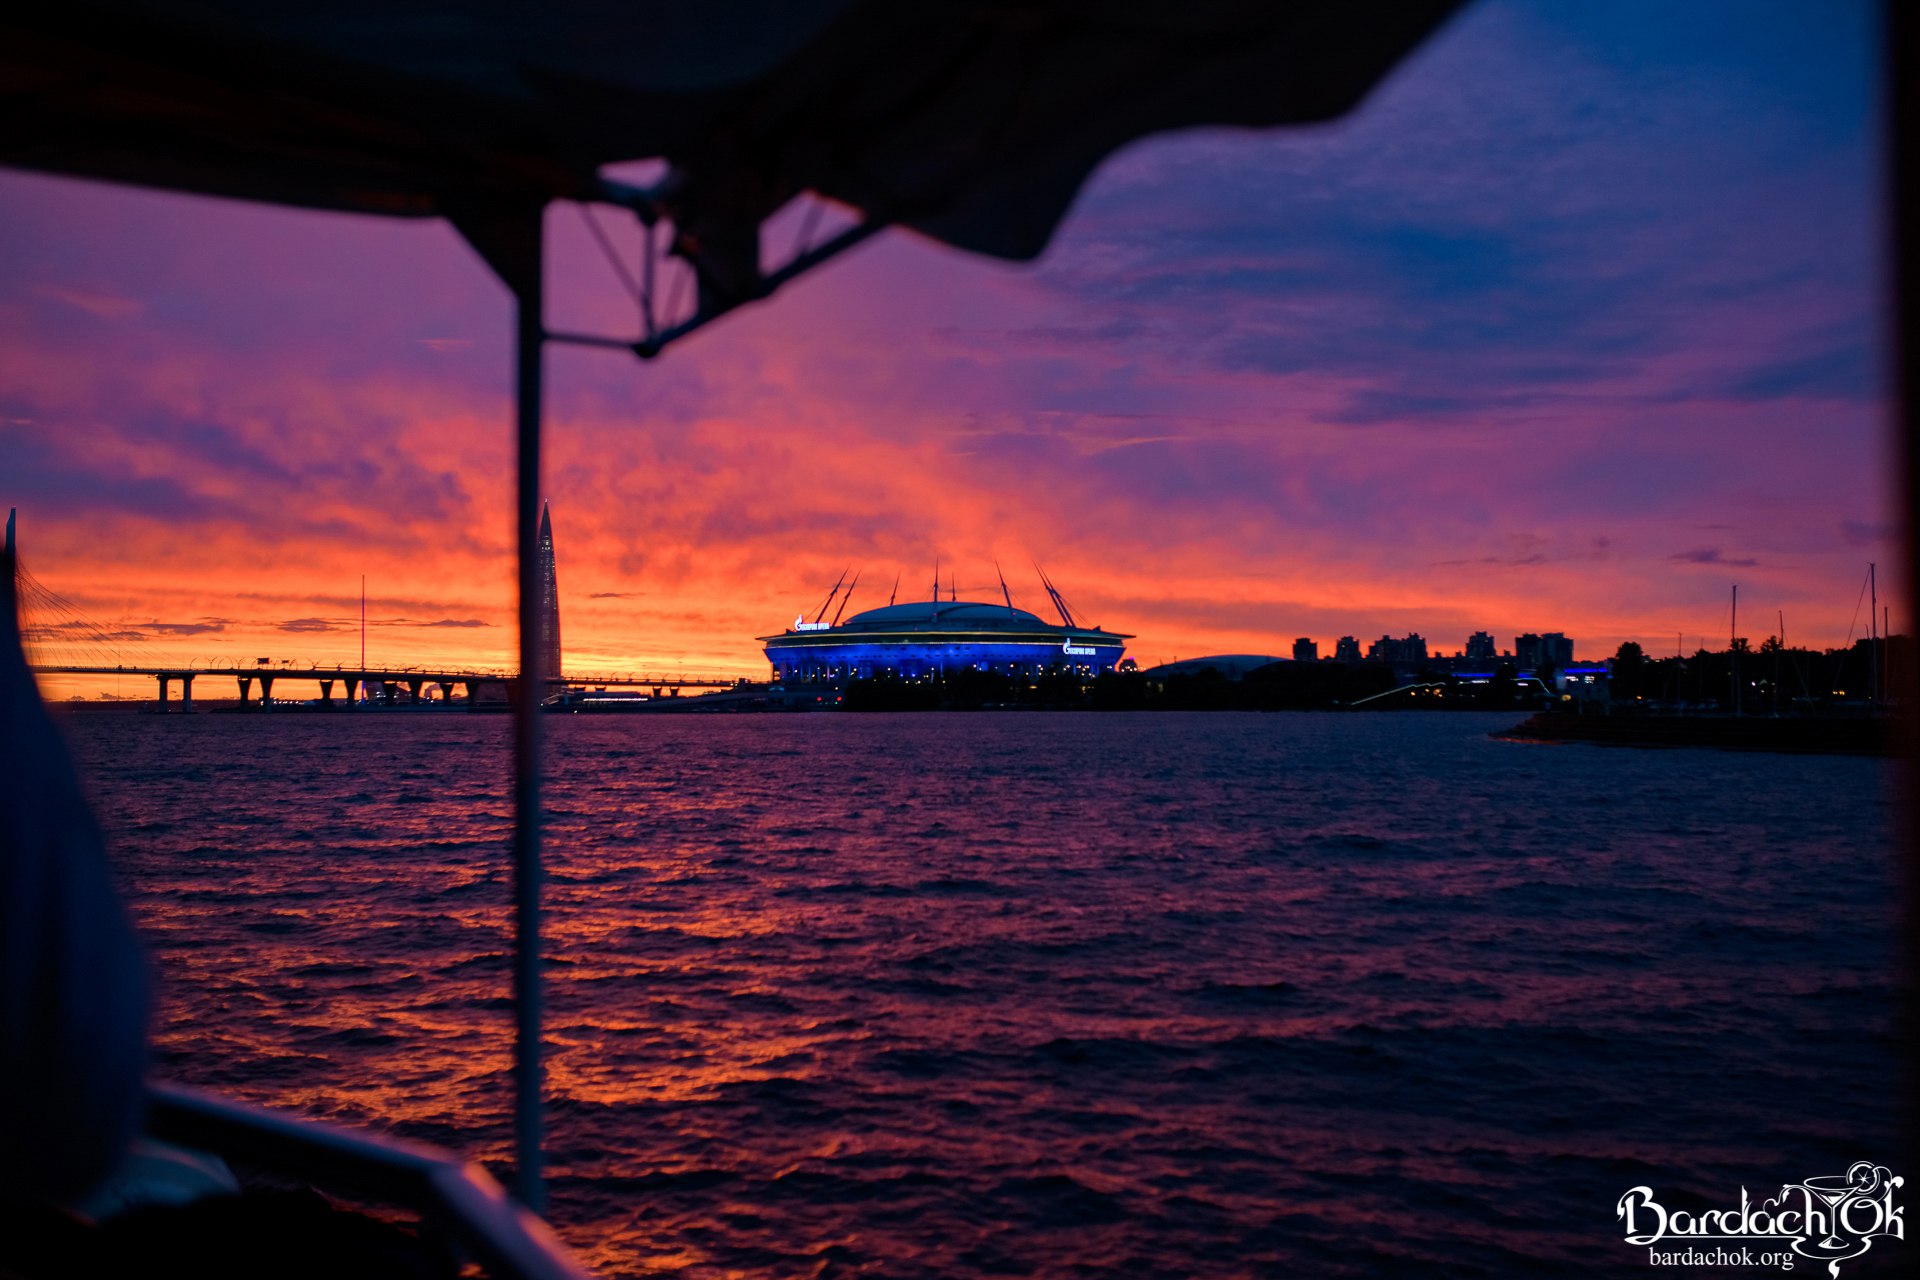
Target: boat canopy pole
{"x": 509, "y": 235}
{"x": 510, "y": 238}
{"x": 1733, "y": 650}
{"x": 529, "y": 1172}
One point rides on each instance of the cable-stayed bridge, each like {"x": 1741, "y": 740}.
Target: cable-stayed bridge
{"x": 376, "y": 686}
{"x": 60, "y": 639}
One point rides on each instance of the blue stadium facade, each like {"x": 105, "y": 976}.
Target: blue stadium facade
{"x": 936, "y": 638}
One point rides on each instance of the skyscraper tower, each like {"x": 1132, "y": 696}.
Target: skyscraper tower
{"x": 549, "y": 601}
{"x": 10, "y": 571}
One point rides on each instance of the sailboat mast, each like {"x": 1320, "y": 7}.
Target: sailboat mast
{"x": 1873, "y": 637}
{"x": 1733, "y": 650}
{"x": 1777, "y": 651}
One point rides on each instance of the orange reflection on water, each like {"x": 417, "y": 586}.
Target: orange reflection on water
{"x": 978, "y": 995}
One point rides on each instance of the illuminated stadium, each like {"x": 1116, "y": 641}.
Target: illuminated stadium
{"x": 933, "y": 638}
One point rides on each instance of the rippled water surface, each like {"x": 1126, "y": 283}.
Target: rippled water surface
{"x": 1043, "y": 994}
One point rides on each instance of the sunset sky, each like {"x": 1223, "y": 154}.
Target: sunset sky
{"x": 1570, "y": 327}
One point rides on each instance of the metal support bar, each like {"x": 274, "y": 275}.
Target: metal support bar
{"x": 654, "y": 344}
{"x": 511, "y": 241}
{"x": 509, "y": 237}
{"x": 647, "y": 203}
{"x": 528, "y": 1175}
{"x": 591, "y": 340}
{"x": 649, "y": 345}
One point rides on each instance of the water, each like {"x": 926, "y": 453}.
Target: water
{"x": 1044, "y": 994}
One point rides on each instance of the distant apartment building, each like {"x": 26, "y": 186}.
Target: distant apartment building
{"x": 1305, "y": 650}
{"x": 1534, "y": 652}
{"x": 1405, "y": 651}
{"x": 1480, "y": 648}
{"x": 1346, "y": 649}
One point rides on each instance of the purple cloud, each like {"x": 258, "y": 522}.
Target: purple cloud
{"x": 1710, "y": 555}
{"x": 1861, "y": 533}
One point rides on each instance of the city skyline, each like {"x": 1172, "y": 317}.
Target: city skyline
{"x": 1574, "y": 320}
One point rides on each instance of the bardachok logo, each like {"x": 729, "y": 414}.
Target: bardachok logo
{"x": 1829, "y": 1219}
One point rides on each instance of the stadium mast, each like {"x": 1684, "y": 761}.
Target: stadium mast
{"x": 830, "y": 595}
{"x": 844, "y": 599}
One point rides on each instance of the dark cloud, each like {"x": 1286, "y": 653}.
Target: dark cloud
{"x": 180, "y": 470}
{"x": 206, "y": 626}
{"x": 98, "y": 303}
{"x": 1711, "y": 555}
{"x": 1552, "y": 254}
{"x": 52, "y": 467}
{"x": 1536, "y": 557}
{"x": 613, "y": 595}
{"x": 74, "y": 626}
{"x": 80, "y": 629}
{"x": 1844, "y": 372}
{"x": 304, "y": 625}
{"x": 1859, "y": 533}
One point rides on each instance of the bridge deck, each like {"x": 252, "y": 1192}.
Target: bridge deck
{"x": 396, "y": 675}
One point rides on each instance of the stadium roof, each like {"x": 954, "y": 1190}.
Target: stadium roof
{"x": 946, "y": 617}
{"x": 942, "y": 613}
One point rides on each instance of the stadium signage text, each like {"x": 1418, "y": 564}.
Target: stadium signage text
{"x": 1079, "y": 650}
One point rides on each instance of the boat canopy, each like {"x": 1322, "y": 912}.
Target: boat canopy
{"x": 971, "y": 122}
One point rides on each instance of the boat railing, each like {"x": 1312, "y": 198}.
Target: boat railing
{"x": 455, "y": 1197}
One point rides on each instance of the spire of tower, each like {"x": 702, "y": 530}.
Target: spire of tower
{"x": 549, "y": 599}
{"x": 9, "y": 569}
